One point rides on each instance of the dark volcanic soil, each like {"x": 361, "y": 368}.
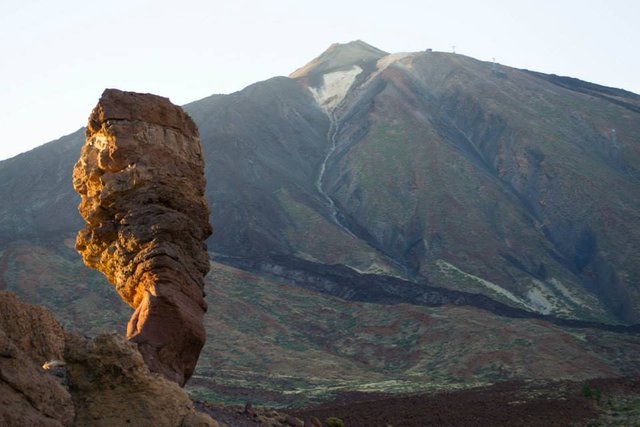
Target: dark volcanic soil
{"x": 505, "y": 404}
{"x": 598, "y": 402}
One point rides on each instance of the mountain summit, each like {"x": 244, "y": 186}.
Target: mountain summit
{"x": 332, "y": 75}
{"x": 341, "y": 56}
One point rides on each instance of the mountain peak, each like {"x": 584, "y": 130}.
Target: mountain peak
{"x": 355, "y": 46}
{"x": 341, "y": 55}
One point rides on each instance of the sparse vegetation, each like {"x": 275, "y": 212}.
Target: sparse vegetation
{"x": 591, "y": 392}
{"x": 334, "y": 422}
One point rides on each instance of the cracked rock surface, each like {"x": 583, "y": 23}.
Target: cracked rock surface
{"x": 141, "y": 180}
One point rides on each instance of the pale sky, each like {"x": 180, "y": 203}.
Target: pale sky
{"x": 56, "y": 57}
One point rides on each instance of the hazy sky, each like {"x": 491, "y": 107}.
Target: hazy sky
{"x": 56, "y": 57}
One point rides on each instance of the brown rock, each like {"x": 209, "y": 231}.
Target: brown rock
{"x": 141, "y": 180}
{"x": 109, "y": 383}
{"x": 31, "y": 328}
{"x": 113, "y": 386}
{"x": 199, "y": 419}
{"x": 293, "y": 421}
{"x": 248, "y": 410}
{"x": 312, "y": 422}
{"x": 29, "y": 336}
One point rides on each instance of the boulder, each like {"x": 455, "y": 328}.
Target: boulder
{"x": 29, "y": 336}
{"x": 107, "y": 381}
{"x": 113, "y": 386}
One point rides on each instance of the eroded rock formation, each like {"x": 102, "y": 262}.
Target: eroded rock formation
{"x": 105, "y": 381}
{"x": 141, "y": 180}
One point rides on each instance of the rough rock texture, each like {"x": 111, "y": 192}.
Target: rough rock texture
{"x": 113, "y": 386}
{"x": 107, "y": 382}
{"x": 30, "y": 336}
{"x": 141, "y": 180}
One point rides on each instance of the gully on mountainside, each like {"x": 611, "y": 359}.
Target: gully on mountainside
{"x": 331, "y": 137}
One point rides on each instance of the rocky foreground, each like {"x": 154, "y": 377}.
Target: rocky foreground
{"x": 50, "y": 377}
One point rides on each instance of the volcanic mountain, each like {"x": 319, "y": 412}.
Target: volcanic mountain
{"x": 387, "y": 180}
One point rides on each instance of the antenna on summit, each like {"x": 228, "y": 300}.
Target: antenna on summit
{"x": 493, "y": 66}
{"x": 453, "y": 48}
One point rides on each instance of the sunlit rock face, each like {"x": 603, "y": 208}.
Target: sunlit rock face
{"x": 141, "y": 180}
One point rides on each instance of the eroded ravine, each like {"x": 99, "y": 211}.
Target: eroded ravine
{"x": 332, "y": 138}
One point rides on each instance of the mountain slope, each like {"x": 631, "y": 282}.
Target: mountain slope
{"x": 432, "y": 167}
{"x": 263, "y": 147}
{"x": 447, "y": 164}
{"x": 37, "y": 198}
{"x": 274, "y": 343}
{"x": 395, "y": 222}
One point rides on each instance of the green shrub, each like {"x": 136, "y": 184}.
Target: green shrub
{"x": 586, "y": 391}
{"x": 334, "y": 422}
{"x": 589, "y": 392}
